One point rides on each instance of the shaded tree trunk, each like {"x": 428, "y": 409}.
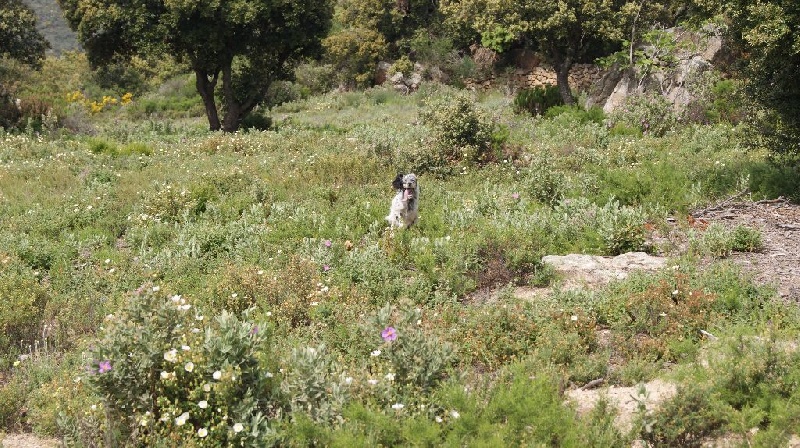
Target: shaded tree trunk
{"x": 562, "y": 80}
{"x": 205, "y": 87}
{"x": 234, "y": 110}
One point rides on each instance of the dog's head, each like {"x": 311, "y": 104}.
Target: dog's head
{"x": 407, "y": 183}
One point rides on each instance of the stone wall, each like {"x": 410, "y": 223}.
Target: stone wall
{"x": 581, "y": 78}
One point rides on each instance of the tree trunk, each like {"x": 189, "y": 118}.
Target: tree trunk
{"x": 562, "y": 81}
{"x": 234, "y": 109}
{"x": 205, "y": 87}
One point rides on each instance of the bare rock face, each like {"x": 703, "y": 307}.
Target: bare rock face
{"x": 695, "y": 55}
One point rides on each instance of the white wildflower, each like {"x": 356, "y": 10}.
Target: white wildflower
{"x": 181, "y": 419}
{"x": 171, "y": 356}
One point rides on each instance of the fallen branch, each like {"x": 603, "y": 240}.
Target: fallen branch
{"x": 720, "y": 205}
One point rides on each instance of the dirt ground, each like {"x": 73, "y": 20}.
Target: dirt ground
{"x": 778, "y": 264}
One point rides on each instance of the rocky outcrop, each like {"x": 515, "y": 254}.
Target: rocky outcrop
{"x": 668, "y": 75}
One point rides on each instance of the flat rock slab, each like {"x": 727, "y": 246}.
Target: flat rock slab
{"x": 597, "y": 270}
{"x": 27, "y": 441}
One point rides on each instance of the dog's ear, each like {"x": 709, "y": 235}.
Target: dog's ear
{"x": 397, "y": 183}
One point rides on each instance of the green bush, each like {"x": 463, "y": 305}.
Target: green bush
{"x": 418, "y": 360}
{"x": 168, "y": 373}
{"x": 685, "y": 420}
{"x": 652, "y": 114}
{"x": 355, "y": 52}
{"x": 314, "y": 78}
{"x": 719, "y": 241}
{"x": 461, "y": 134}
{"x": 537, "y": 101}
{"x": 22, "y": 303}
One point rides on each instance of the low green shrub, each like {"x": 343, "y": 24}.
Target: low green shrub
{"x": 168, "y": 373}
{"x": 461, "y": 135}
{"x": 22, "y": 303}
{"x": 719, "y": 241}
{"x": 652, "y": 114}
{"x": 537, "y": 101}
{"x": 685, "y": 420}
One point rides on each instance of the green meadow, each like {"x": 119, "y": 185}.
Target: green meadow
{"x": 162, "y": 285}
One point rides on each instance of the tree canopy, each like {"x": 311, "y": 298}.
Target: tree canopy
{"x": 565, "y": 31}
{"x": 768, "y": 33}
{"x": 247, "y": 44}
{"x": 19, "y": 38}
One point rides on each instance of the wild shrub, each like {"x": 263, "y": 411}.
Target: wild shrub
{"x": 168, "y": 373}
{"x": 491, "y": 337}
{"x": 314, "y": 78}
{"x": 685, "y": 420}
{"x": 671, "y": 309}
{"x": 594, "y": 114}
{"x": 22, "y": 304}
{"x": 652, "y": 114}
{"x": 538, "y": 100}
{"x": 719, "y": 241}
{"x": 312, "y": 386}
{"x": 418, "y": 360}
{"x": 461, "y": 134}
{"x": 355, "y": 53}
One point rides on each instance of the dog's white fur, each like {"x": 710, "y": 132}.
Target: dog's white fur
{"x": 405, "y": 204}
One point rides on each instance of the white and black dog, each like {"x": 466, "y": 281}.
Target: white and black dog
{"x": 405, "y": 204}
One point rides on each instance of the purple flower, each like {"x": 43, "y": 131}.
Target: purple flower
{"x": 327, "y": 243}
{"x": 104, "y": 366}
{"x": 254, "y": 330}
{"x": 389, "y": 334}
{"x": 326, "y": 268}
{"x": 515, "y": 195}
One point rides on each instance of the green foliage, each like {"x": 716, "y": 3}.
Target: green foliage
{"x": 719, "y": 241}
{"x": 419, "y": 362}
{"x": 355, "y": 52}
{"x": 314, "y": 78}
{"x": 19, "y": 38}
{"x": 538, "y": 100}
{"x": 652, "y": 114}
{"x": 165, "y": 371}
{"x": 230, "y": 35}
{"x": 682, "y": 421}
{"x": 22, "y": 306}
{"x": 557, "y": 30}
{"x": 461, "y": 134}
{"x": 764, "y": 30}
{"x": 402, "y": 65}
{"x": 312, "y": 388}
{"x": 592, "y": 115}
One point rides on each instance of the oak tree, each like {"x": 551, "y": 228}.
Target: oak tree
{"x": 564, "y": 32}
{"x": 19, "y": 38}
{"x": 245, "y": 44}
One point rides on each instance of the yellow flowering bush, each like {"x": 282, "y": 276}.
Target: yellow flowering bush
{"x": 95, "y": 106}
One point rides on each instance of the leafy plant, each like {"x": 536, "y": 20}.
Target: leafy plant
{"x": 168, "y": 373}
{"x": 538, "y": 100}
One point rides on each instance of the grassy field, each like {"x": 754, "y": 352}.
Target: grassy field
{"x": 163, "y": 285}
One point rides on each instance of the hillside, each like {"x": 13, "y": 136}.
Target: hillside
{"x": 248, "y": 286}
{"x": 53, "y": 26}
